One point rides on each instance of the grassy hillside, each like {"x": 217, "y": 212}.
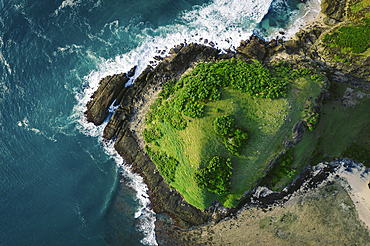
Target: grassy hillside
{"x": 181, "y": 145}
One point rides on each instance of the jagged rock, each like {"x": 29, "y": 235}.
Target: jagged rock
{"x": 254, "y": 49}
{"x": 360, "y": 94}
{"x": 120, "y": 96}
{"x": 158, "y": 58}
{"x": 292, "y": 47}
{"x": 334, "y": 9}
{"x": 115, "y": 124}
{"x": 348, "y": 99}
{"x": 298, "y": 131}
{"x": 217, "y": 210}
{"x": 108, "y": 91}
{"x": 330, "y": 21}
{"x": 132, "y": 71}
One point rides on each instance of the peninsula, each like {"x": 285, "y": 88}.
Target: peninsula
{"x": 206, "y": 130}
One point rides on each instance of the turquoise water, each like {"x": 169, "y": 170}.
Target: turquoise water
{"x": 59, "y": 182}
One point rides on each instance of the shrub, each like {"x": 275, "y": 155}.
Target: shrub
{"x": 355, "y": 37}
{"x": 193, "y": 110}
{"x": 151, "y": 134}
{"x": 168, "y": 89}
{"x": 223, "y": 125}
{"x": 166, "y": 164}
{"x": 216, "y": 176}
{"x": 233, "y": 138}
{"x": 283, "y": 168}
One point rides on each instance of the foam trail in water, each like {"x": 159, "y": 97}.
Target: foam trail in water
{"x": 224, "y": 22}
{"x": 66, "y": 3}
{"x": 145, "y": 215}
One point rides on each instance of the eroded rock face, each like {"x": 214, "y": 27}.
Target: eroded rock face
{"x": 255, "y": 48}
{"x": 334, "y": 10}
{"x": 108, "y": 91}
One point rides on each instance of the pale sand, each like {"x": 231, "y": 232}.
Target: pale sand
{"x": 358, "y": 190}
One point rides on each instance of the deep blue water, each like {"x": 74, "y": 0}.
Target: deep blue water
{"x": 59, "y": 184}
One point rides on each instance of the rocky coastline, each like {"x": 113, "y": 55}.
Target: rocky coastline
{"x": 126, "y": 123}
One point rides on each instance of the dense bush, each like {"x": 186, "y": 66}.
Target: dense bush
{"x": 187, "y": 96}
{"x": 287, "y": 71}
{"x": 151, "y": 134}
{"x": 166, "y": 164}
{"x": 168, "y": 89}
{"x": 283, "y": 168}
{"x": 310, "y": 115}
{"x": 233, "y": 138}
{"x": 354, "y": 37}
{"x": 216, "y": 176}
{"x": 166, "y": 112}
{"x": 223, "y": 125}
{"x": 193, "y": 109}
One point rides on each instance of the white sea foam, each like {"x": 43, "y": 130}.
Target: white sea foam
{"x": 25, "y": 124}
{"x": 224, "y": 22}
{"x": 2, "y": 58}
{"x": 66, "y": 3}
{"x": 306, "y": 13}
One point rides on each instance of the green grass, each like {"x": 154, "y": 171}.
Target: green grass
{"x": 268, "y": 122}
{"x": 355, "y": 37}
{"x": 337, "y": 129}
{"x": 359, "y": 8}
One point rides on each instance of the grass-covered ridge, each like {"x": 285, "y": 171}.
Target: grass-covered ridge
{"x": 225, "y": 120}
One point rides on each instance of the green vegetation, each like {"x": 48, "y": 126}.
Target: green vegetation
{"x": 201, "y": 122}
{"x": 151, "y": 134}
{"x": 359, "y": 8}
{"x": 283, "y": 168}
{"x": 360, "y": 148}
{"x": 355, "y": 37}
{"x": 310, "y": 114}
{"x": 216, "y": 176}
{"x": 165, "y": 164}
{"x": 340, "y": 132}
{"x": 233, "y": 138}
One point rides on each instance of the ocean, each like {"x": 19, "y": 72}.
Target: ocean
{"x": 60, "y": 183}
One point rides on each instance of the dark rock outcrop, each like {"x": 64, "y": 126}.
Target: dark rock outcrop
{"x": 109, "y": 89}
{"x": 297, "y": 131}
{"x": 254, "y": 48}
{"x": 334, "y": 10}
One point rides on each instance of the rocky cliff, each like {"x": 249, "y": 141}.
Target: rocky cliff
{"x": 132, "y": 100}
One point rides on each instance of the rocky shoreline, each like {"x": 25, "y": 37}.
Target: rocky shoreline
{"x": 314, "y": 205}
{"x": 126, "y": 124}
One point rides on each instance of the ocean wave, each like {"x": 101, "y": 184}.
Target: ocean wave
{"x": 306, "y": 13}
{"x": 2, "y": 58}
{"x": 65, "y": 4}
